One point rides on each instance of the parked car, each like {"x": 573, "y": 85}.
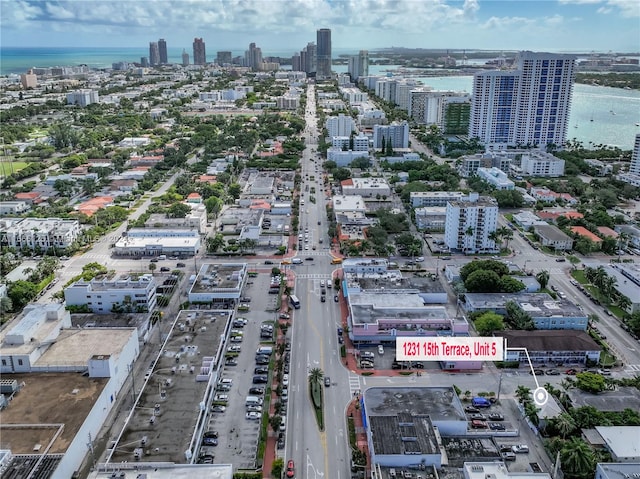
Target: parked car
{"x": 496, "y": 416}
{"x": 552, "y": 372}
{"x": 496, "y": 426}
{"x": 508, "y": 456}
{"x": 284, "y": 316}
{"x": 218, "y": 409}
{"x": 253, "y": 415}
{"x": 478, "y": 417}
{"x": 260, "y": 379}
{"x": 261, "y": 370}
{"x": 478, "y": 424}
{"x": 520, "y": 448}
{"x": 164, "y": 269}
{"x": 231, "y": 362}
{"x": 335, "y": 298}
{"x": 471, "y": 409}
{"x": 255, "y": 390}
{"x": 572, "y": 371}
{"x": 209, "y": 441}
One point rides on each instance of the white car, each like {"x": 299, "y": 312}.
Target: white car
{"x": 221, "y": 397}
{"x": 285, "y": 380}
{"x": 253, "y": 416}
{"x": 520, "y": 448}
{"x": 380, "y": 349}
{"x": 419, "y": 259}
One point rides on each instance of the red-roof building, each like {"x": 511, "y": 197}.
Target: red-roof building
{"x": 31, "y": 197}
{"x": 194, "y": 198}
{"x": 210, "y": 179}
{"x": 90, "y": 207}
{"x": 553, "y": 216}
{"x": 584, "y": 232}
{"x": 608, "y": 232}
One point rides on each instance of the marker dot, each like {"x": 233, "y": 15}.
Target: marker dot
{"x": 540, "y": 396}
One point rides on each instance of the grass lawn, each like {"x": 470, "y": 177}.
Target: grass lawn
{"x": 6, "y": 169}
{"x": 607, "y": 359}
{"x": 579, "y": 276}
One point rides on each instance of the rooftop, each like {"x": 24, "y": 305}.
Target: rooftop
{"x": 536, "y": 304}
{"x": 58, "y": 403}
{"x": 497, "y": 470}
{"x": 617, "y": 470}
{"x": 582, "y": 231}
{"x": 216, "y": 276}
{"x": 462, "y": 449}
{"x": 622, "y": 441}
{"x": 552, "y": 233}
{"x": 550, "y": 340}
{"x": 403, "y": 433}
{"x": 139, "y": 470}
{"x": 370, "y": 308}
{"x": 190, "y": 351}
{"x": 439, "y": 403}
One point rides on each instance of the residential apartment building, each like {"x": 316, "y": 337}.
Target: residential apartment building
{"x": 360, "y": 142}
{"x": 468, "y": 225}
{"x": 396, "y": 133}
{"x": 185, "y": 58}
{"x": 635, "y": 157}
{"x": 199, "y": 52}
{"x": 528, "y": 105}
{"x": 308, "y": 58}
{"x": 437, "y": 198}
{"x": 469, "y": 164}
{"x": 323, "y": 54}
{"x": 40, "y": 233}
{"x": 345, "y": 157}
{"x": 359, "y": 65}
{"x": 223, "y": 58}
{"x": 404, "y": 89}
{"x": 431, "y": 218}
{"x": 13, "y": 207}
{"x": 253, "y": 57}
{"x": 127, "y": 294}
{"x": 496, "y": 178}
{"x": 341, "y": 125}
{"x": 154, "y": 54}
{"x": 83, "y": 97}
{"x": 541, "y": 163}
{"x": 162, "y": 52}
{"x": 386, "y": 89}
{"x": 429, "y": 107}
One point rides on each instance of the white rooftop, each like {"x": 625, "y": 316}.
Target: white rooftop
{"x": 622, "y": 441}
{"x": 497, "y": 470}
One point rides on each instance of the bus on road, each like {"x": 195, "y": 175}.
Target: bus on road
{"x": 295, "y": 302}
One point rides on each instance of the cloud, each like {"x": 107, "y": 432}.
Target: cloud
{"x": 579, "y": 2}
{"x": 628, "y": 8}
{"x": 604, "y": 10}
{"x": 554, "y": 20}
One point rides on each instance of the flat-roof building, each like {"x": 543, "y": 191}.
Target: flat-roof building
{"x": 436, "y": 198}
{"x": 496, "y": 178}
{"x": 366, "y": 187}
{"x": 41, "y": 233}
{"x": 218, "y": 283}
{"x": 622, "y": 442}
{"x": 348, "y": 204}
{"x": 497, "y": 470}
{"x": 551, "y": 346}
{"x": 616, "y": 470}
{"x": 553, "y": 237}
{"x": 125, "y": 294}
{"x": 154, "y": 242}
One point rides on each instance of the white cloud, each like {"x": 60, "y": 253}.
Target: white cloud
{"x": 579, "y": 2}
{"x": 554, "y": 20}
{"x": 628, "y": 8}
{"x": 604, "y": 10}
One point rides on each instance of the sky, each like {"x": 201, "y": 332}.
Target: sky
{"x": 287, "y": 25}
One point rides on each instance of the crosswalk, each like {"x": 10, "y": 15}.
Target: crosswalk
{"x": 102, "y": 258}
{"x": 313, "y": 276}
{"x": 632, "y": 368}
{"x": 354, "y": 384}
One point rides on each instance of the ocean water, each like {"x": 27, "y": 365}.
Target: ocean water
{"x": 615, "y": 112}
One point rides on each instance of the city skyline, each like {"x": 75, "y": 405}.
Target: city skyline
{"x": 561, "y": 25}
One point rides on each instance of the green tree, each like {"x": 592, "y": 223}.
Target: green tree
{"x": 152, "y": 267}
{"x": 483, "y": 281}
{"x": 315, "y": 377}
{"x": 234, "y": 190}
{"x": 543, "y": 278}
{"x": 213, "y": 205}
{"x": 488, "y": 323}
{"x": 178, "y": 210}
{"x": 21, "y": 293}
{"x": 565, "y": 424}
{"x": 523, "y": 394}
{"x": 577, "y": 457}
{"x": 590, "y": 382}
{"x": 509, "y": 284}
{"x": 6, "y": 305}
{"x": 518, "y": 318}
{"x": 487, "y": 265}
{"x": 342, "y": 174}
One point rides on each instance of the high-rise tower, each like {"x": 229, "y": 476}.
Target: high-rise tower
{"x": 359, "y": 65}
{"x": 185, "y": 58}
{"x": 199, "y": 52}
{"x": 154, "y": 54}
{"x": 323, "y": 55}
{"x": 162, "y": 50}
{"x": 526, "y": 106}
{"x": 253, "y": 57}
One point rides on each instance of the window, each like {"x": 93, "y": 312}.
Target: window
{"x": 4, "y": 362}
{"x": 20, "y": 363}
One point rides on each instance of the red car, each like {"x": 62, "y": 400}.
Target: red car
{"x": 291, "y": 470}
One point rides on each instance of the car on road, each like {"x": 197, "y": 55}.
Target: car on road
{"x": 520, "y": 448}
{"x": 327, "y": 381}
{"x": 552, "y": 372}
{"x": 180, "y": 265}
{"x": 560, "y": 260}
{"x": 380, "y": 349}
{"x": 253, "y": 415}
{"x": 268, "y": 262}
{"x": 323, "y": 298}
{"x": 164, "y": 269}
{"x": 604, "y": 372}
{"x": 335, "y": 298}
{"x": 309, "y": 258}
{"x": 218, "y": 409}
{"x": 291, "y": 468}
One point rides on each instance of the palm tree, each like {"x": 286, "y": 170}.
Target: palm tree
{"x": 506, "y": 234}
{"x": 622, "y": 302}
{"x": 523, "y": 394}
{"x": 565, "y": 424}
{"x": 589, "y": 273}
{"x": 152, "y": 267}
{"x": 543, "y": 278}
{"x": 468, "y": 235}
{"x": 577, "y": 457}
{"x": 608, "y": 286}
{"x": 496, "y": 238}
{"x": 623, "y": 239}
{"x": 315, "y": 377}
{"x": 599, "y": 277}
{"x": 531, "y": 412}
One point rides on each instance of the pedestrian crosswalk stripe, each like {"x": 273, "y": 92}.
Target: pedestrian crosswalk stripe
{"x": 354, "y": 384}
{"x": 632, "y": 368}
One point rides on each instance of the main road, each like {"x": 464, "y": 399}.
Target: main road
{"x": 315, "y": 343}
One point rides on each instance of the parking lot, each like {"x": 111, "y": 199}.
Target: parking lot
{"x": 237, "y": 435}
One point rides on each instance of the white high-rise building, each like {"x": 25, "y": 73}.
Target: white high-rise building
{"x": 359, "y": 65}
{"x": 386, "y": 89}
{"x": 83, "y": 97}
{"x": 635, "y": 157}
{"x": 396, "y": 133}
{"x": 341, "y": 125}
{"x": 468, "y": 225}
{"x": 526, "y": 106}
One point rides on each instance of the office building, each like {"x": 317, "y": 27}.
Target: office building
{"x": 396, "y": 133}
{"x": 162, "y": 51}
{"x": 199, "y": 52}
{"x": 323, "y": 54}
{"x": 103, "y": 296}
{"x": 341, "y": 125}
{"x": 469, "y": 223}
{"x": 526, "y": 106}
{"x": 359, "y": 65}
{"x": 154, "y": 54}
{"x": 253, "y": 57}
{"x": 185, "y": 58}
{"x": 41, "y": 233}
{"x": 223, "y": 58}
